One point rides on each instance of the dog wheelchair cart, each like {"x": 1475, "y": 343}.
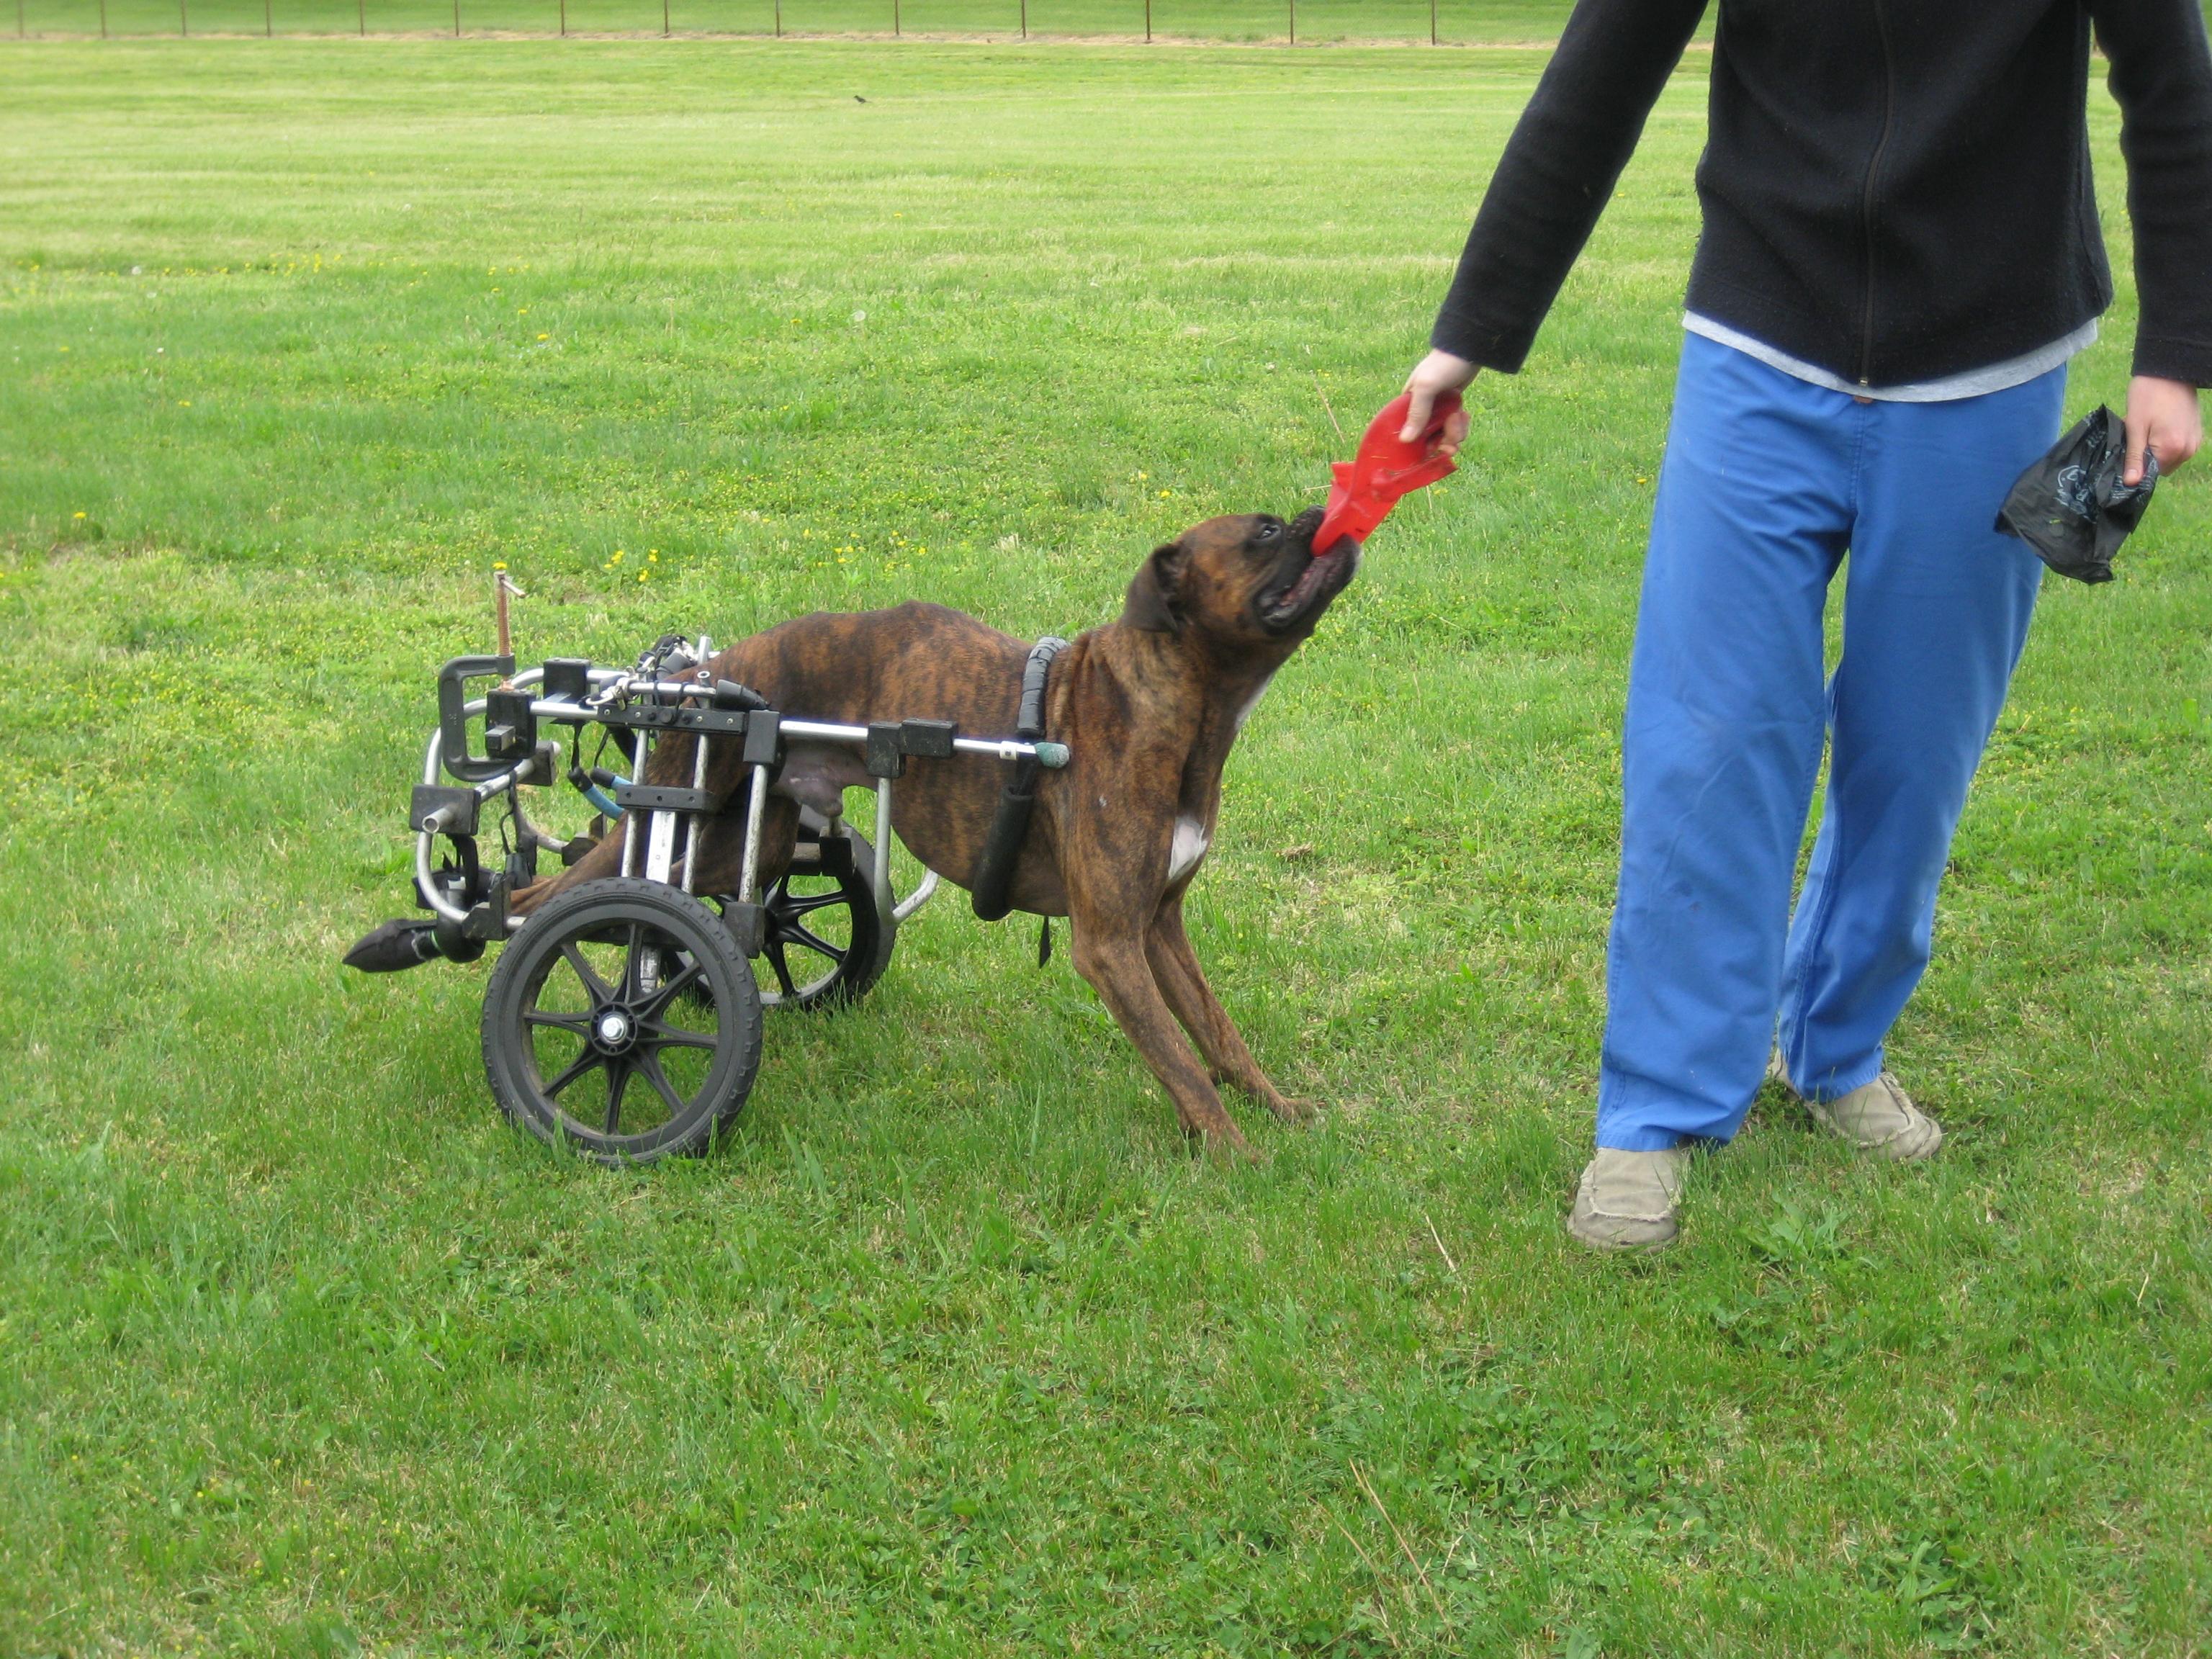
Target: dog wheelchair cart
{"x": 623, "y": 1017}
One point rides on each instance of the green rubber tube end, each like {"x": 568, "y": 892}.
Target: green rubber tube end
{"x": 1052, "y": 756}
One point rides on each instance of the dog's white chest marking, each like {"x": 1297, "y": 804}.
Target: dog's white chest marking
{"x": 1188, "y": 848}
{"x": 1252, "y": 701}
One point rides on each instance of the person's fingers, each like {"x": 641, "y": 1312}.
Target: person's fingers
{"x": 1454, "y": 435}
{"x": 2173, "y": 441}
{"x": 2138, "y": 425}
{"x": 1418, "y": 412}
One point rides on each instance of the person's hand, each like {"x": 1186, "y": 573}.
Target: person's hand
{"x": 1441, "y": 372}
{"x": 2162, "y": 418}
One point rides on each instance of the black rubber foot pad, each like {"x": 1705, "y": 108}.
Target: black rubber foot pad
{"x": 396, "y": 944}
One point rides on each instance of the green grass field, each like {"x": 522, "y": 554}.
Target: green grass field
{"x": 953, "y": 1348}
{"x": 1315, "y": 20}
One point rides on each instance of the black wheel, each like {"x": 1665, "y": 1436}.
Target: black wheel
{"x": 826, "y": 943}
{"x": 621, "y": 1021}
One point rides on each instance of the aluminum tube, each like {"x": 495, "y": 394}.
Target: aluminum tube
{"x": 695, "y": 827}
{"x": 1004, "y": 749}
{"x": 660, "y": 846}
{"x": 426, "y": 887}
{"x": 755, "y": 803}
{"x": 913, "y": 901}
{"x": 884, "y": 849}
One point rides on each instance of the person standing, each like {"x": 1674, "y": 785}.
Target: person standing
{"x": 1900, "y": 253}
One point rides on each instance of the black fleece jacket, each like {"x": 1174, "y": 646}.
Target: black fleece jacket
{"x": 1893, "y": 190}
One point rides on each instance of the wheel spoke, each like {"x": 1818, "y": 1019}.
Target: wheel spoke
{"x": 775, "y": 960}
{"x": 575, "y": 1024}
{"x": 649, "y": 1063}
{"x": 618, "y": 1083}
{"x": 815, "y": 942}
{"x": 658, "y": 1037}
{"x": 583, "y": 1063}
{"x": 669, "y": 992}
{"x": 796, "y": 904}
{"x": 634, "y": 966}
{"x": 599, "y": 990}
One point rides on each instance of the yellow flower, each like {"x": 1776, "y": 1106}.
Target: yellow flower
{"x": 545, "y": 337}
{"x": 617, "y": 557}
{"x": 77, "y": 515}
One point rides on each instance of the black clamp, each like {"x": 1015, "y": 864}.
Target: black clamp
{"x": 891, "y": 742}
{"x": 568, "y": 679}
{"x": 443, "y": 808}
{"x": 452, "y": 720}
{"x": 510, "y": 726}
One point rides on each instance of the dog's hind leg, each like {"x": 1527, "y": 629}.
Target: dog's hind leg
{"x": 1182, "y": 983}
{"x": 605, "y": 859}
{"x": 1115, "y": 964}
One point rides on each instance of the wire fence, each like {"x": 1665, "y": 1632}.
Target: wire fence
{"x": 1438, "y": 22}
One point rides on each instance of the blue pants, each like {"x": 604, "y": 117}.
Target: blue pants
{"x": 1768, "y": 481}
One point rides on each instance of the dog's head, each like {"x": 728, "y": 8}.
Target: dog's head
{"x": 1251, "y": 581}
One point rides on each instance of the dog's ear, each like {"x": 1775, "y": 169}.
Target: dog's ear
{"x": 1152, "y": 604}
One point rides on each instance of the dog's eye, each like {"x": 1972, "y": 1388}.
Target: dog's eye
{"x": 1269, "y": 531}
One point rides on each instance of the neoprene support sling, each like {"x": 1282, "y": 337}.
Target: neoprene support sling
{"x": 1009, "y": 827}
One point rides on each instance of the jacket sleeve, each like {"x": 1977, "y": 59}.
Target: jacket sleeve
{"x": 1557, "y": 172}
{"x": 2161, "y": 77}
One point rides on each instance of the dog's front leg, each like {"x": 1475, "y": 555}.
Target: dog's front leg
{"x": 1183, "y": 982}
{"x": 1115, "y": 964}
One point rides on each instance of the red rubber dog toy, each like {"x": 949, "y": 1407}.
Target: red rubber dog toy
{"x": 1370, "y": 484}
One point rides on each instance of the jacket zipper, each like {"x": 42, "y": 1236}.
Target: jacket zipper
{"x": 1866, "y": 205}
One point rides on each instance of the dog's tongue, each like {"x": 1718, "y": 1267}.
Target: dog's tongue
{"x": 1386, "y": 469}
{"x": 1309, "y": 579}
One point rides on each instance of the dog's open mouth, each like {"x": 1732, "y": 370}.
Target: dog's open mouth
{"x": 1317, "y": 579}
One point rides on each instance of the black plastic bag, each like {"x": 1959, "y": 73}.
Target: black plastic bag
{"x": 2071, "y": 507}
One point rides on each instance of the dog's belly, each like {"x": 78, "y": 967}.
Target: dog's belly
{"x": 817, "y": 774}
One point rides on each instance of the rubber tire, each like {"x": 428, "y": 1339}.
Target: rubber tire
{"x": 697, "y": 935}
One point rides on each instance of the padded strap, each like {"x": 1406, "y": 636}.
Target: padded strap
{"x": 1010, "y": 824}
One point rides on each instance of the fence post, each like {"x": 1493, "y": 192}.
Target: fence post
{"x": 457, "y": 19}
{"x": 663, "y": 19}
{"x": 103, "y": 19}
{"x": 779, "y": 19}
{"x": 896, "y": 30}
{"x": 184, "y": 22}
{"x": 564, "y": 19}
{"x": 1148, "y": 22}
{"x": 1025, "y": 17}
{"x": 1294, "y": 22}
{"x": 361, "y": 17}
{"x": 1432, "y": 22}
{"x": 268, "y": 19}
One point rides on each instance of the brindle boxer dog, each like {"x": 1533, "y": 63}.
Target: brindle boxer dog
{"x": 1148, "y": 706}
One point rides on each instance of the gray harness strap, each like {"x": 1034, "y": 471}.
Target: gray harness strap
{"x": 1010, "y": 826}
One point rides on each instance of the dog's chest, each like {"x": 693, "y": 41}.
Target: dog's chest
{"x": 1187, "y": 847}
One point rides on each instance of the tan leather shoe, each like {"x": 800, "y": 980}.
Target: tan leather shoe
{"x": 1877, "y": 1117}
{"x": 1628, "y": 1200}
{"x": 1880, "y": 1117}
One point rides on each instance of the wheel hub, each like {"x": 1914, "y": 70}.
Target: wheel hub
{"x": 613, "y": 1031}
